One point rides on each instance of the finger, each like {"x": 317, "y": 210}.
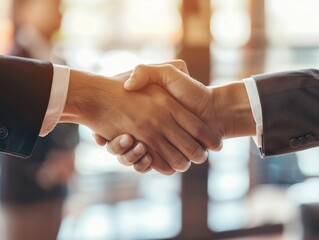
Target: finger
{"x": 159, "y": 164}
{"x": 174, "y": 158}
{"x": 144, "y": 164}
{"x": 189, "y": 92}
{"x": 144, "y": 75}
{"x": 178, "y": 63}
{"x": 198, "y": 130}
{"x": 133, "y": 155}
{"x": 185, "y": 143}
{"x": 120, "y": 144}
{"x": 99, "y": 140}
{"x": 147, "y": 170}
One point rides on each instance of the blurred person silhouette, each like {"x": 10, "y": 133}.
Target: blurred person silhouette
{"x": 33, "y": 190}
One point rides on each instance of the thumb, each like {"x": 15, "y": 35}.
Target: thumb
{"x": 189, "y": 92}
{"x": 134, "y": 84}
{"x": 144, "y": 75}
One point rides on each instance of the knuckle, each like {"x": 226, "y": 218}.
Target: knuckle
{"x": 139, "y": 167}
{"x": 186, "y": 167}
{"x": 181, "y": 63}
{"x": 199, "y": 131}
{"x": 179, "y": 163}
{"x": 152, "y": 138}
{"x": 217, "y": 145}
{"x": 124, "y": 160}
{"x": 154, "y": 119}
{"x": 144, "y": 124}
{"x": 111, "y": 149}
{"x": 140, "y": 68}
{"x": 194, "y": 152}
{"x": 164, "y": 169}
{"x": 156, "y": 122}
{"x": 142, "y": 165}
{"x": 169, "y": 173}
{"x": 129, "y": 159}
{"x": 169, "y": 67}
{"x": 121, "y": 160}
{"x": 162, "y": 109}
{"x": 201, "y": 158}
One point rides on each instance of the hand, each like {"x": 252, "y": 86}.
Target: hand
{"x": 129, "y": 151}
{"x": 173, "y": 134}
{"x": 189, "y": 92}
{"x": 224, "y": 109}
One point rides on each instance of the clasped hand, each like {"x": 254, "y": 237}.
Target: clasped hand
{"x": 157, "y": 131}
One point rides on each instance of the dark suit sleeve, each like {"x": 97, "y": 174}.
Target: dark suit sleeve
{"x": 289, "y": 102}
{"x": 25, "y": 91}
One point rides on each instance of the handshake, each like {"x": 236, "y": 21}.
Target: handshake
{"x": 157, "y": 116}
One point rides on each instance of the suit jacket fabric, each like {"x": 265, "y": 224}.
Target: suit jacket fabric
{"x": 289, "y": 102}
{"x": 64, "y": 136}
{"x": 18, "y": 179}
{"x": 26, "y": 86}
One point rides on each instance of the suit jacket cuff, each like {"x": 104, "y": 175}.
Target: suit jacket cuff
{"x": 289, "y": 101}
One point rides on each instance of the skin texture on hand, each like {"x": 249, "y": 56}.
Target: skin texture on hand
{"x": 222, "y": 108}
{"x": 225, "y": 109}
{"x": 173, "y": 135}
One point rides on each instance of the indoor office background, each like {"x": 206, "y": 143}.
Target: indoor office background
{"x": 235, "y": 194}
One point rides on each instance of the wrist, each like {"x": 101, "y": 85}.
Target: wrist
{"x": 81, "y": 103}
{"x": 233, "y": 111}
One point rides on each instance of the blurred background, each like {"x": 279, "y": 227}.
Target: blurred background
{"x": 236, "y": 194}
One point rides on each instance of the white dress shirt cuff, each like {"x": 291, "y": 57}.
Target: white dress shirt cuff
{"x": 255, "y": 105}
{"x": 59, "y": 92}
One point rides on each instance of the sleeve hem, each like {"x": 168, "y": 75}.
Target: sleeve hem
{"x": 59, "y": 92}
{"x": 255, "y": 105}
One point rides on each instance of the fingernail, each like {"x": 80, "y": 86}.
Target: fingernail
{"x": 129, "y": 83}
{"x": 125, "y": 142}
{"x": 139, "y": 149}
